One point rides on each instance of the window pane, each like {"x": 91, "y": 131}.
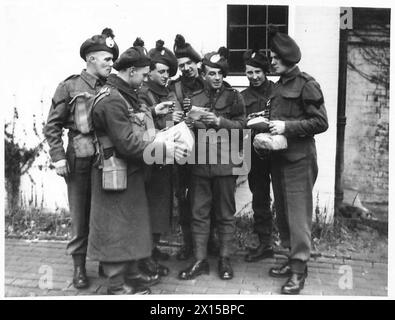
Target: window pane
{"x": 236, "y": 63}
{"x": 257, "y": 14}
{"x": 257, "y": 38}
{"x": 237, "y": 38}
{"x": 278, "y": 14}
{"x": 237, "y": 15}
{"x": 283, "y": 29}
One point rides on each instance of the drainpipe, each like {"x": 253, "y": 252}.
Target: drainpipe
{"x": 341, "y": 118}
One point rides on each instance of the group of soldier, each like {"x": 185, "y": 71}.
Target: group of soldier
{"x": 118, "y": 221}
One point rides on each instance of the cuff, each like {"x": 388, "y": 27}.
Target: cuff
{"x": 60, "y": 163}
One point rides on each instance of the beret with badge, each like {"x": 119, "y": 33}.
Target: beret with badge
{"x": 135, "y": 56}
{"x": 218, "y": 60}
{"x": 101, "y": 42}
{"x": 183, "y": 49}
{"x": 285, "y": 47}
{"x": 163, "y": 55}
{"x": 257, "y": 59}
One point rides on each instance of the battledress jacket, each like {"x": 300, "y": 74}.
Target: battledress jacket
{"x": 228, "y": 104}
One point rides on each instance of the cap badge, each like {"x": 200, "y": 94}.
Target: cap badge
{"x": 253, "y": 55}
{"x": 110, "y": 42}
{"x": 162, "y": 53}
{"x": 215, "y": 58}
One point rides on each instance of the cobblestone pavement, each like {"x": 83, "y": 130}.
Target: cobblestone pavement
{"x": 29, "y": 264}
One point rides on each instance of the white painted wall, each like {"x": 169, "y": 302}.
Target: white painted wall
{"x": 43, "y": 49}
{"x": 316, "y": 30}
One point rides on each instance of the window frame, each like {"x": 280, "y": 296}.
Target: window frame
{"x": 247, "y": 26}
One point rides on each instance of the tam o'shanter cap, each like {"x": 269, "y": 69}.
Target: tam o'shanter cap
{"x": 101, "y": 42}
{"x": 285, "y": 47}
{"x": 163, "y": 55}
{"x": 217, "y": 59}
{"x": 183, "y": 49}
{"x": 135, "y": 56}
{"x": 257, "y": 59}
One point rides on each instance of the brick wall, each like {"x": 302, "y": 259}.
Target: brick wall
{"x": 367, "y": 111}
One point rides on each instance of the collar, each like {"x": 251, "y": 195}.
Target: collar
{"x": 290, "y": 75}
{"x": 91, "y": 80}
{"x": 193, "y": 84}
{"x": 123, "y": 87}
{"x": 262, "y": 88}
{"x": 213, "y": 92}
{"x": 157, "y": 89}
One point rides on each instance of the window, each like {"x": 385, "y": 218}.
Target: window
{"x": 247, "y": 29}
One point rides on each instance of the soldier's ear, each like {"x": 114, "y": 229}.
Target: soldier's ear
{"x": 203, "y": 72}
{"x": 90, "y": 57}
{"x": 132, "y": 70}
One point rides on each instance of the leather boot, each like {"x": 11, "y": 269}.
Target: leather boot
{"x": 282, "y": 271}
{"x": 295, "y": 283}
{"x": 139, "y": 279}
{"x": 152, "y": 267}
{"x": 80, "y": 279}
{"x": 263, "y": 251}
{"x": 200, "y": 265}
{"x": 225, "y": 270}
{"x": 196, "y": 269}
{"x": 127, "y": 289}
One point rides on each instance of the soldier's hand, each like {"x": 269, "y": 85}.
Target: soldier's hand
{"x": 177, "y": 116}
{"x": 251, "y": 115}
{"x": 163, "y": 107}
{"x": 62, "y": 168}
{"x": 186, "y": 104}
{"x": 189, "y": 122}
{"x": 180, "y": 151}
{"x": 277, "y": 127}
{"x": 210, "y": 119}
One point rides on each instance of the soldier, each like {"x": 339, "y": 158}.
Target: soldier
{"x": 256, "y": 98}
{"x": 213, "y": 182}
{"x": 69, "y": 110}
{"x": 120, "y": 223}
{"x": 298, "y": 113}
{"x": 159, "y": 186}
{"x": 189, "y": 83}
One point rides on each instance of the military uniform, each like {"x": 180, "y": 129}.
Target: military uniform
{"x": 120, "y": 228}
{"x": 296, "y": 99}
{"x": 120, "y": 224}
{"x": 159, "y": 185}
{"x": 256, "y": 100}
{"x": 71, "y": 110}
{"x": 184, "y": 87}
{"x": 61, "y": 116}
{"x": 213, "y": 185}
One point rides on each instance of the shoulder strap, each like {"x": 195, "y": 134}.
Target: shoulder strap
{"x": 104, "y": 141}
{"x": 71, "y": 77}
{"x": 104, "y": 91}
